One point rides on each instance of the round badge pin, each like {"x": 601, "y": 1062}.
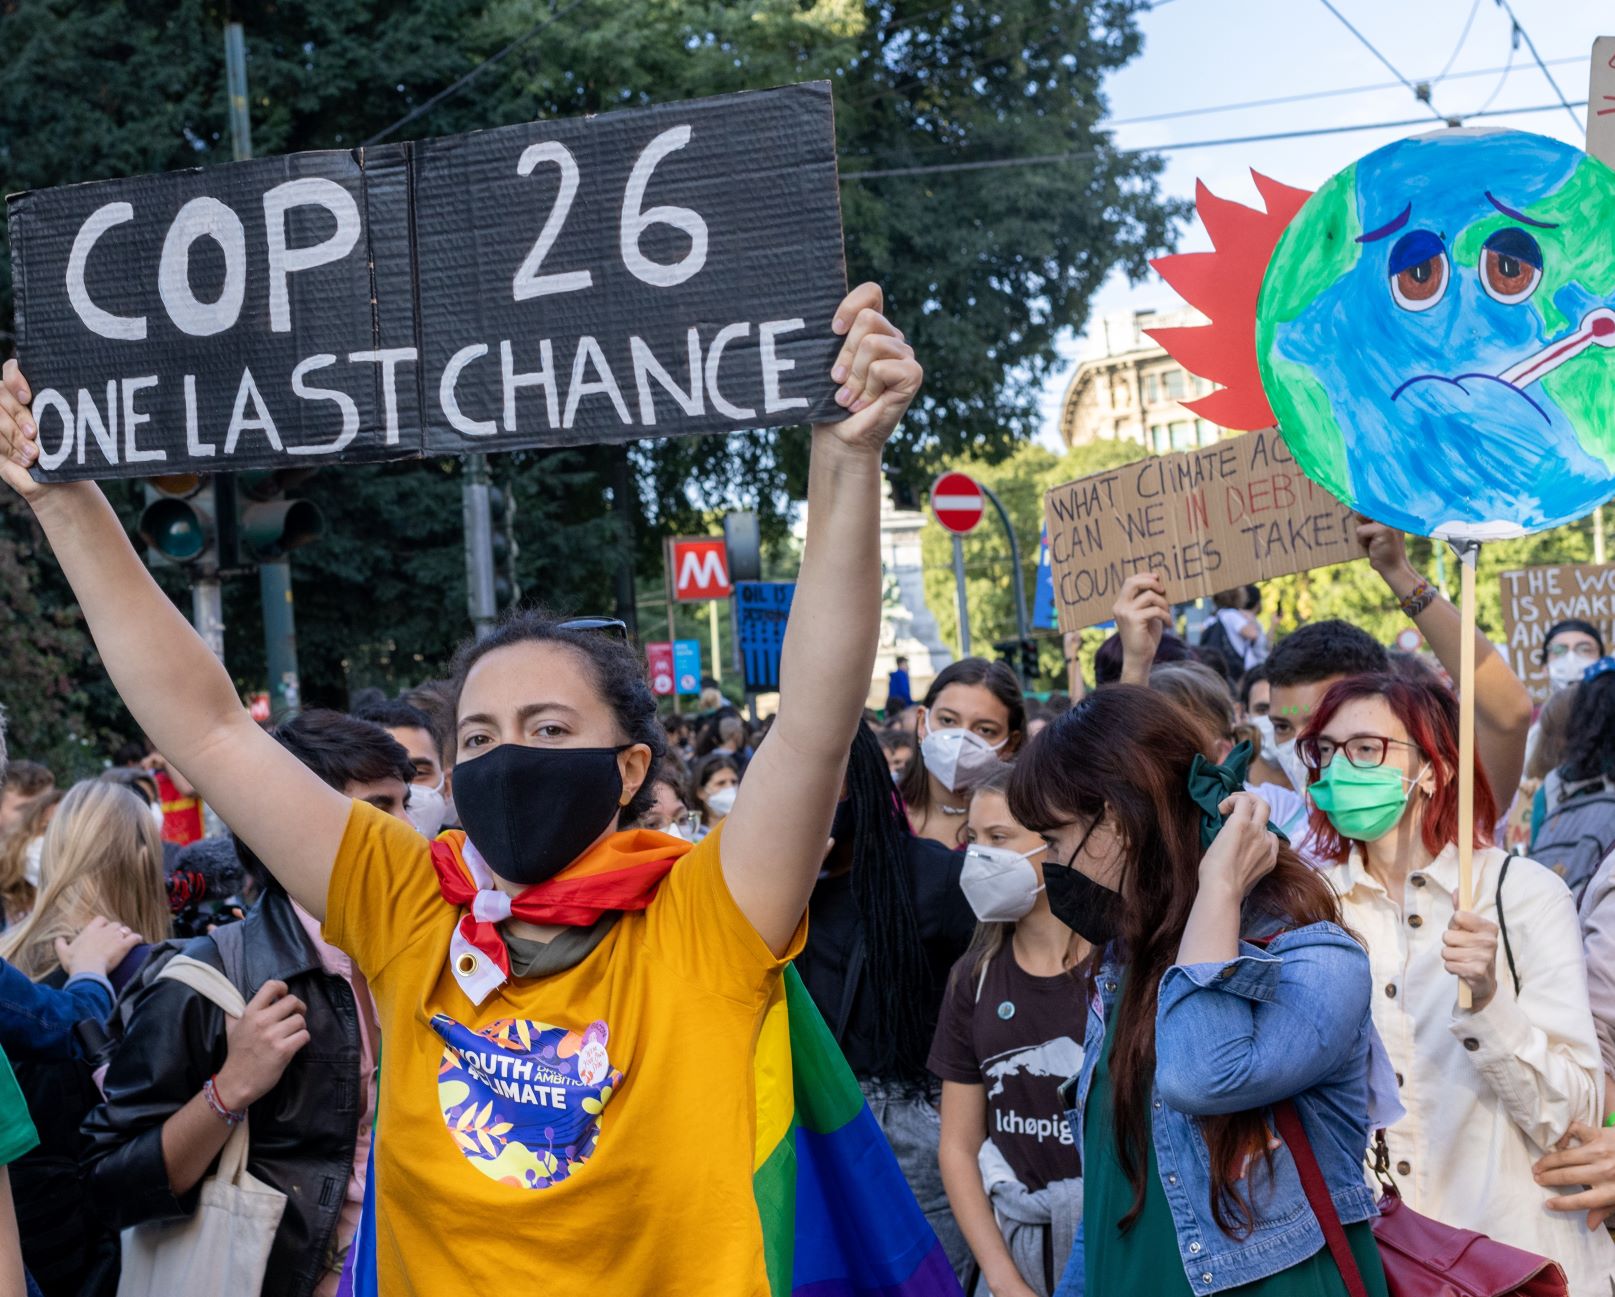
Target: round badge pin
{"x": 1006, "y": 1010}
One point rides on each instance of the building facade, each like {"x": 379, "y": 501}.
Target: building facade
{"x": 1126, "y": 388}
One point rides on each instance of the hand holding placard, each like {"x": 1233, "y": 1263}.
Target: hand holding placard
{"x": 1143, "y": 615}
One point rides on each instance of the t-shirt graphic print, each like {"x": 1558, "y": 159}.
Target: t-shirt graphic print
{"x": 522, "y": 1099}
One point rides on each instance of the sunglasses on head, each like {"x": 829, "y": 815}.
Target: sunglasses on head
{"x": 612, "y": 626}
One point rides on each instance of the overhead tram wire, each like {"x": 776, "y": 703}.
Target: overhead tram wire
{"x": 1088, "y": 155}
{"x": 451, "y": 90}
{"x": 1389, "y": 66}
{"x": 1513, "y": 48}
{"x": 1463, "y": 39}
{"x": 1531, "y": 45}
{"x": 1337, "y": 93}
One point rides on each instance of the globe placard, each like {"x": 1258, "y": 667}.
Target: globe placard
{"x": 1434, "y": 332}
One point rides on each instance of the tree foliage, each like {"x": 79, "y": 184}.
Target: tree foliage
{"x": 983, "y": 268}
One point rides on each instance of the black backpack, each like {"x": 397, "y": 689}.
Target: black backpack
{"x": 1578, "y": 830}
{"x": 1214, "y": 636}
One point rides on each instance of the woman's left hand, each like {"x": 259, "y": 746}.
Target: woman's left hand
{"x": 876, "y": 368}
{"x": 1244, "y": 850}
{"x": 1583, "y": 1157}
{"x": 1469, "y": 952}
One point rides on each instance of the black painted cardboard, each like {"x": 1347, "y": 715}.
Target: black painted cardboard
{"x": 426, "y": 329}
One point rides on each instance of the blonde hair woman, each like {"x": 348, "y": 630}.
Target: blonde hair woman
{"x": 20, "y": 858}
{"x": 102, "y": 855}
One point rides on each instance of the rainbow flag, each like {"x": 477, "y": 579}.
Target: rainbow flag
{"x": 838, "y": 1218}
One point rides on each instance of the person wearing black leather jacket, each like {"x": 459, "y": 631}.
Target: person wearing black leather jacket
{"x": 154, "y": 1140}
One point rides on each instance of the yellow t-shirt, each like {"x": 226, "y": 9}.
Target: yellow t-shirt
{"x": 593, "y": 1130}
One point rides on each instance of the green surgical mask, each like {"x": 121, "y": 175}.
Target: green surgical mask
{"x": 1363, "y": 804}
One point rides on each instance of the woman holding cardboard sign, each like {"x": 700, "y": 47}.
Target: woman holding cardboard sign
{"x": 522, "y": 1137}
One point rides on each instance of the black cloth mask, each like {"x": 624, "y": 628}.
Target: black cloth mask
{"x": 530, "y": 812}
{"x": 1091, "y": 910}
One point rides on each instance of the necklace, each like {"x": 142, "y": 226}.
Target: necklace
{"x": 952, "y": 810}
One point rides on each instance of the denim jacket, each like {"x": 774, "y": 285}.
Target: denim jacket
{"x": 1289, "y": 1022}
{"x": 37, "y": 1021}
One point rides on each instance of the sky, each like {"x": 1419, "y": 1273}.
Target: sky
{"x": 1201, "y": 55}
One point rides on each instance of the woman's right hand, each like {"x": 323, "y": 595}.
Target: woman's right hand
{"x": 98, "y": 948}
{"x": 1142, "y": 615}
{"x": 263, "y": 1041}
{"x": 1244, "y": 850}
{"x": 19, "y": 445}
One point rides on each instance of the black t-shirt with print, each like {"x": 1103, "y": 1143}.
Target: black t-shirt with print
{"x": 1021, "y": 1037}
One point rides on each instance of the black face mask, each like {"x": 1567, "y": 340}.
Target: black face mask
{"x": 530, "y": 812}
{"x": 1091, "y": 910}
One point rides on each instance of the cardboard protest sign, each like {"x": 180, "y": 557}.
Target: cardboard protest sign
{"x": 1209, "y": 519}
{"x": 654, "y": 272}
{"x": 1535, "y": 598}
{"x": 1430, "y": 330}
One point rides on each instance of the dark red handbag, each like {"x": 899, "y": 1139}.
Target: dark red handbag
{"x": 1422, "y": 1257}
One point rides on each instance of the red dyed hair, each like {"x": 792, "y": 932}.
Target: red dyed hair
{"x": 1429, "y": 713}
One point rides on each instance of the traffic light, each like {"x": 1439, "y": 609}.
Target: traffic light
{"x": 179, "y": 521}
{"x": 1029, "y": 664}
{"x": 507, "y": 590}
{"x": 270, "y": 526}
{"x": 1020, "y": 656}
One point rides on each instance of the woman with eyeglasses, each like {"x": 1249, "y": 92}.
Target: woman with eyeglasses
{"x": 571, "y": 1008}
{"x": 1492, "y": 1087}
{"x": 1226, "y": 999}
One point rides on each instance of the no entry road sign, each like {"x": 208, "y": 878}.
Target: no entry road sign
{"x": 957, "y": 502}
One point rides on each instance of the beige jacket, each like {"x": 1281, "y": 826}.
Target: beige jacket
{"x": 1488, "y": 1092}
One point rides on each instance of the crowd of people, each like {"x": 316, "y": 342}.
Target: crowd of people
{"x": 1150, "y": 986}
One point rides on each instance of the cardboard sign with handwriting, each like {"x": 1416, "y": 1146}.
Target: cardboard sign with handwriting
{"x": 1208, "y": 519}
{"x": 1535, "y": 598}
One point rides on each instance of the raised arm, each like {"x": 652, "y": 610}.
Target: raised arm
{"x": 1502, "y": 703}
{"x": 774, "y": 839}
{"x": 177, "y": 691}
{"x": 1142, "y": 617}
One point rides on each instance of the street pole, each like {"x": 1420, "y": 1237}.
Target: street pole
{"x": 672, "y": 634}
{"x": 964, "y": 608}
{"x": 280, "y": 638}
{"x": 622, "y": 503}
{"x": 1021, "y": 619}
{"x": 235, "y": 80}
{"x": 479, "y": 575}
{"x": 207, "y": 611}
{"x": 207, "y": 591}
{"x": 712, "y": 622}
{"x": 274, "y": 576}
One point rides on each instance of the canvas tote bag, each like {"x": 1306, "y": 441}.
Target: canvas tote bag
{"x": 223, "y": 1247}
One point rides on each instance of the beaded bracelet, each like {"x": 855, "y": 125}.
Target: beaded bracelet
{"x": 1422, "y": 596}
{"x": 230, "y": 1116}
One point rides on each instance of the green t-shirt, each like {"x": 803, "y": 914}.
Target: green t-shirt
{"x": 17, "y": 1133}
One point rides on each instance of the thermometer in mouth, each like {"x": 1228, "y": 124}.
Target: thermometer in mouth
{"x": 1597, "y": 330}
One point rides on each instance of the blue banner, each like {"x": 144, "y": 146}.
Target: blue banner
{"x": 1043, "y": 614}
{"x": 762, "y": 609}
{"x": 687, "y": 666}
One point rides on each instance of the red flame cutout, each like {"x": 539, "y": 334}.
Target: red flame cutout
{"x": 1224, "y": 285}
